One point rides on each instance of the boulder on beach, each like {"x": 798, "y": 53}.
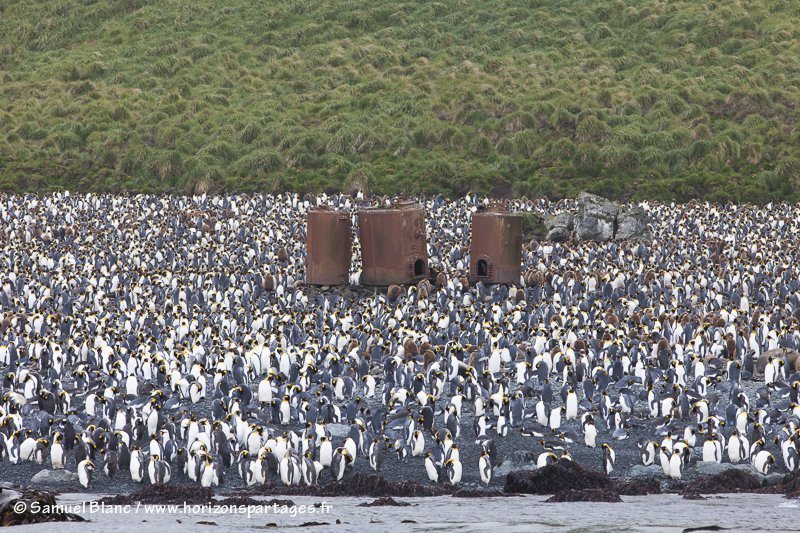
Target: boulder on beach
{"x": 772, "y": 480}
{"x": 639, "y": 487}
{"x": 711, "y": 468}
{"x": 376, "y": 486}
{"x": 639, "y": 471}
{"x": 790, "y": 485}
{"x": 561, "y": 475}
{"x": 338, "y": 430}
{"x": 791, "y": 357}
{"x": 516, "y": 460}
{"x": 54, "y": 476}
{"x": 730, "y": 480}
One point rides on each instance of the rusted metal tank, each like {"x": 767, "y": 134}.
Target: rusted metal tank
{"x": 495, "y": 253}
{"x": 329, "y": 238}
{"x": 393, "y": 244}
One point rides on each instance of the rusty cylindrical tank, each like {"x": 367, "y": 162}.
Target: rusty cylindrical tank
{"x": 495, "y": 253}
{"x": 329, "y": 238}
{"x": 393, "y": 244}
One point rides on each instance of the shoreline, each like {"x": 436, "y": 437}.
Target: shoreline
{"x": 664, "y": 512}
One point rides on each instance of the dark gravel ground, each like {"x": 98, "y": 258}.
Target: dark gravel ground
{"x": 412, "y": 468}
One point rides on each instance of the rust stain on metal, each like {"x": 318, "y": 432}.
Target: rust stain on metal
{"x": 393, "y": 244}
{"x": 329, "y": 238}
{"x": 495, "y": 247}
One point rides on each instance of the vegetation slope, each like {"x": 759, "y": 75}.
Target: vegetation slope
{"x": 659, "y": 99}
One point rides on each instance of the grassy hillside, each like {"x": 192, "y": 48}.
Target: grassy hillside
{"x": 652, "y": 98}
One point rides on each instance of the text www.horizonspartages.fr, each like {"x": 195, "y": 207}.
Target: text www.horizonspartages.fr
{"x": 96, "y": 507}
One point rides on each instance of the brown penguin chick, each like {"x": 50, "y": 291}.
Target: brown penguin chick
{"x": 268, "y": 282}
{"x": 663, "y": 345}
{"x": 393, "y": 293}
{"x": 520, "y": 296}
{"x": 730, "y": 346}
{"x": 283, "y": 255}
{"x": 464, "y": 283}
{"x": 755, "y": 319}
{"x": 612, "y": 319}
{"x": 352, "y": 346}
{"x": 579, "y": 346}
{"x": 472, "y": 357}
{"x": 410, "y": 347}
{"x": 422, "y": 293}
{"x": 428, "y": 357}
{"x": 441, "y": 280}
{"x": 425, "y": 346}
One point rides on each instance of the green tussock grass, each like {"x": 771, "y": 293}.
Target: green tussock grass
{"x": 631, "y": 99}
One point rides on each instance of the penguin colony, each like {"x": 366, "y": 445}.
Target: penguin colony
{"x": 152, "y": 338}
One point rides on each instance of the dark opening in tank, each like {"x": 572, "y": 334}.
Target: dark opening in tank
{"x": 483, "y": 268}
{"x": 419, "y": 265}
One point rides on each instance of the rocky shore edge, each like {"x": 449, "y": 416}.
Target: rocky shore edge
{"x": 563, "y": 481}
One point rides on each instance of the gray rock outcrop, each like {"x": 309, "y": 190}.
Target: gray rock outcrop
{"x": 709, "y": 468}
{"x": 638, "y": 471}
{"x": 559, "y": 227}
{"x": 516, "y": 460}
{"x": 598, "y": 219}
{"x": 632, "y": 224}
{"x": 54, "y": 476}
{"x": 338, "y": 430}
